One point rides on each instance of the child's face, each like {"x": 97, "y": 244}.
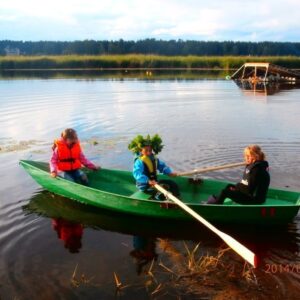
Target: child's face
{"x": 147, "y": 150}
{"x": 249, "y": 159}
{"x": 71, "y": 141}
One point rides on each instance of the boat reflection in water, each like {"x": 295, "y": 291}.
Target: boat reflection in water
{"x": 265, "y": 88}
{"x": 71, "y": 213}
{"x": 72, "y": 217}
{"x": 275, "y": 246}
{"x": 69, "y": 232}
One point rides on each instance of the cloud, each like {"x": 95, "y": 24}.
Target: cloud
{"x": 204, "y": 24}
{"x": 134, "y": 19}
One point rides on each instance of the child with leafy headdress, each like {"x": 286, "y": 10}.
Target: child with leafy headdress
{"x": 146, "y": 164}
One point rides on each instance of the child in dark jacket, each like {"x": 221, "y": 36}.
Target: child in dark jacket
{"x": 253, "y": 187}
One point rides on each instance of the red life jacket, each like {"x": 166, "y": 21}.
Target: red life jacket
{"x": 68, "y": 156}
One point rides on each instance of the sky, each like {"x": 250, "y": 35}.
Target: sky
{"x": 209, "y": 20}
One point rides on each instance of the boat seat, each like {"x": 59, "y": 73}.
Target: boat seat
{"x": 269, "y": 202}
{"x": 140, "y": 195}
{"x": 275, "y": 202}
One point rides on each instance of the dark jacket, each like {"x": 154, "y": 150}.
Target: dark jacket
{"x": 256, "y": 180}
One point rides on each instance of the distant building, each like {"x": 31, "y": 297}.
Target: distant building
{"x": 11, "y": 51}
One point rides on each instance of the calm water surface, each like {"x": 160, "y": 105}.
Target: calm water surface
{"x": 52, "y": 248}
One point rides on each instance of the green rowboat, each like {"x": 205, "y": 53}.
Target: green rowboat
{"x": 115, "y": 190}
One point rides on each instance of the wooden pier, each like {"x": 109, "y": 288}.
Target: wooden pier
{"x": 265, "y": 72}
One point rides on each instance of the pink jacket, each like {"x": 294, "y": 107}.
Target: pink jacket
{"x": 54, "y": 159}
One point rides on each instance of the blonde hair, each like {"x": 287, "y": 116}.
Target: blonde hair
{"x": 255, "y": 151}
{"x": 69, "y": 133}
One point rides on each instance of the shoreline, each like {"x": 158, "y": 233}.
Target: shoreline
{"x": 137, "y": 62}
{"x": 123, "y": 69}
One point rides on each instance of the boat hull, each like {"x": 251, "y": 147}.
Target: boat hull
{"x": 115, "y": 190}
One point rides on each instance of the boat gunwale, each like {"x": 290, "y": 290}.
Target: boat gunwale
{"x": 101, "y": 191}
{"x": 201, "y": 204}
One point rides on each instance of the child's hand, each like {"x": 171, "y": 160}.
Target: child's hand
{"x": 152, "y": 182}
{"x": 173, "y": 174}
{"x": 53, "y": 174}
{"x": 96, "y": 168}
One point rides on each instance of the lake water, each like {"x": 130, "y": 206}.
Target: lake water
{"x": 202, "y": 123}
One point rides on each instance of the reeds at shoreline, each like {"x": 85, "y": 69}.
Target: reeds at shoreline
{"x": 179, "y": 273}
{"x": 137, "y": 61}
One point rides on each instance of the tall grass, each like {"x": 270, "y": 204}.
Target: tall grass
{"x": 140, "y": 61}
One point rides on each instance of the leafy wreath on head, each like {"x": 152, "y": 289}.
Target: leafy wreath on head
{"x": 140, "y": 142}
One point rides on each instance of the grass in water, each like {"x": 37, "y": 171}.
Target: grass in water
{"x": 196, "y": 274}
{"x": 185, "y": 271}
{"x": 77, "y": 281}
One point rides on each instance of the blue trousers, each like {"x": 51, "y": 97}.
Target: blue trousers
{"x": 75, "y": 176}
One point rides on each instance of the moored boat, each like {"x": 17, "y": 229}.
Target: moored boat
{"x": 115, "y": 190}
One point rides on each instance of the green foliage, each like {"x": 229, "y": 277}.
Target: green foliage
{"x": 152, "y": 46}
{"x": 140, "y": 142}
{"x": 136, "y": 144}
{"x": 156, "y": 143}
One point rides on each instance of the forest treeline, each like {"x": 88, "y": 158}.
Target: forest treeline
{"x": 150, "y": 46}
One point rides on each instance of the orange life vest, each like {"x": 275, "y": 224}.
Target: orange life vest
{"x": 68, "y": 157}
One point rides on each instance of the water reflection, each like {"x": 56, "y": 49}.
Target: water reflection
{"x": 74, "y": 216}
{"x": 69, "y": 232}
{"x": 265, "y": 88}
{"x": 144, "y": 251}
{"x": 59, "y": 208}
{"x": 275, "y": 246}
{"x": 114, "y": 74}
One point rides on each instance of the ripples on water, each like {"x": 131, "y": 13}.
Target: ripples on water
{"x": 202, "y": 122}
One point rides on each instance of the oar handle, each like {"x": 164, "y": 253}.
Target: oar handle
{"x": 208, "y": 169}
{"x": 230, "y": 241}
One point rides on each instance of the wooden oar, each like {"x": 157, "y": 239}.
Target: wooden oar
{"x": 208, "y": 169}
{"x": 230, "y": 241}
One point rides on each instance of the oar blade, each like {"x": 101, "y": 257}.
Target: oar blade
{"x": 240, "y": 249}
